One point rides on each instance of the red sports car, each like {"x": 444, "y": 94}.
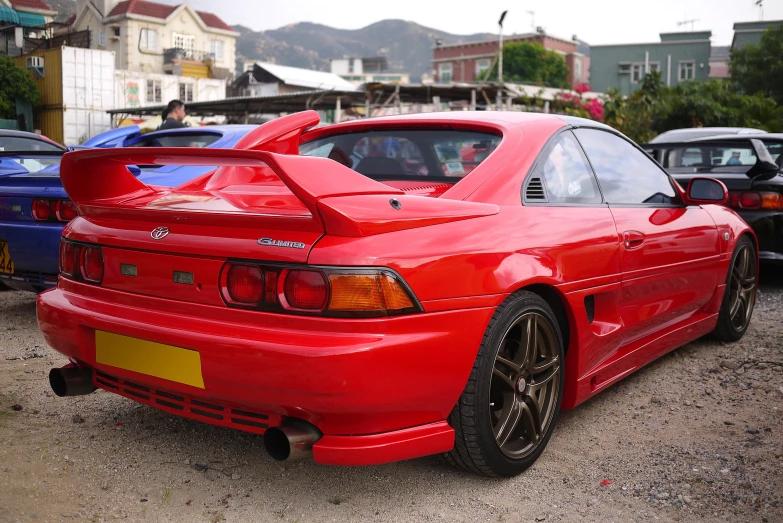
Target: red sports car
{"x": 346, "y": 292}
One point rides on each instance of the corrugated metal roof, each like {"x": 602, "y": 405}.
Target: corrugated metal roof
{"x": 306, "y": 78}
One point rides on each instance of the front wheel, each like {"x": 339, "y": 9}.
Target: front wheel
{"x": 507, "y": 412}
{"x": 740, "y": 295}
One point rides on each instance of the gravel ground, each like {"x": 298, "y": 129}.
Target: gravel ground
{"x": 698, "y": 434}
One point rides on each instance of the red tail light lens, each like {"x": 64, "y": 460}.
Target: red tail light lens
{"x": 245, "y": 284}
{"x": 305, "y": 289}
{"x": 92, "y": 264}
{"x": 750, "y": 200}
{"x": 68, "y": 257}
{"x": 43, "y": 210}
{"x": 66, "y": 210}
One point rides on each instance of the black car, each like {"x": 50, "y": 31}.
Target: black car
{"x": 750, "y": 167}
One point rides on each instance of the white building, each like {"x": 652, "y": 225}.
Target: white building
{"x": 150, "y": 37}
{"x": 133, "y": 89}
{"x": 364, "y": 70}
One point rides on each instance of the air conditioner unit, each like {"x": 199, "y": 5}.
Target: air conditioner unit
{"x": 35, "y": 62}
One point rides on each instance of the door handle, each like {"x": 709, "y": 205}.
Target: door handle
{"x": 633, "y": 239}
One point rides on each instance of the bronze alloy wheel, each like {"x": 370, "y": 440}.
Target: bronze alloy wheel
{"x": 524, "y": 386}
{"x": 742, "y": 288}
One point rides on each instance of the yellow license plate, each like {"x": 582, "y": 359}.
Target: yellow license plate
{"x": 6, "y": 265}
{"x": 150, "y": 358}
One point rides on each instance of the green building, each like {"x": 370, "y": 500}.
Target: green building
{"x": 678, "y": 56}
{"x": 750, "y": 32}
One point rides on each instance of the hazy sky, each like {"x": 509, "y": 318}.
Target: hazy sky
{"x": 595, "y": 21}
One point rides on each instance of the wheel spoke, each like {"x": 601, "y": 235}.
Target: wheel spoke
{"x": 734, "y": 306}
{"x": 504, "y": 378}
{"x": 531, "y": 420}
{"x": 541, "y": 381}
{"x": 528, "y": 342}
{"x": 509, "y": 419}
{"x": 510, "y": 364}
{"x": 541, "y": 366}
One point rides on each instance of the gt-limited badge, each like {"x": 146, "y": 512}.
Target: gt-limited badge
{"x": 280, "y": 243}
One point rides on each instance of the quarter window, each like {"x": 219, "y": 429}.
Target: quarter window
{"x": 626, "y": 175}
{"x": 566, "y": 173}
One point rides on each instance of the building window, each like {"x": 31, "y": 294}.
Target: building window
{"x": 149, "y": 40}
{"x": 687, "y": 71}
{"x": 481, "y": 68}
{"x": 350, "y": 66}
{"x": 186, "y": 92}
{"x": 180, "y": 41}
{"x": 117, "y": 31}
{"x": 577, "y": 69}
{"x": 153, "y": 91}
{"x": 444, "y": 73}
{"x": 102, "y": 37}
{"x": 216, "y": 48}
{"x": 637, "y": 71}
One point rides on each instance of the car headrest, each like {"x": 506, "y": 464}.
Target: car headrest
{"x": 379, "y": 165}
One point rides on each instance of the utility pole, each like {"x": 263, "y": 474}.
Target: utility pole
{"x": 532, "y": 21}
{"x": 500, "y": 61}
{"x": 761, "y": 9}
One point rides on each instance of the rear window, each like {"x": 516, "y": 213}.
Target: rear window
{"x": 715, "y": 156}
{"x": 177, "y": 140}
{"x": 401, "y": 154}
{"x": 18, "y": 144}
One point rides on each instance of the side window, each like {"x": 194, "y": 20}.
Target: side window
{"x": 626, "y": 175}
{"x": 566, "y": 173}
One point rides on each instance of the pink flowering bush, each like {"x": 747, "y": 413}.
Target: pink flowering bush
{"x": 576, "y": 105}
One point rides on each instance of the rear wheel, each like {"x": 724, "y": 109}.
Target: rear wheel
{"x": 740, "y": 295}
{"x": 507, "y": 412}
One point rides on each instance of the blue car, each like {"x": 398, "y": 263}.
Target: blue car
{"x": 34, "y": 208}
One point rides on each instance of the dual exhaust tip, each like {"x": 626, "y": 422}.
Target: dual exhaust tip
{"x": 293, "y": 439}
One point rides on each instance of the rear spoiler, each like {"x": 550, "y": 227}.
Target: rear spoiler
{"x": 340, "y": 200}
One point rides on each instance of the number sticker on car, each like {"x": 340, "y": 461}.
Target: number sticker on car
{"x": 6, "y": 265}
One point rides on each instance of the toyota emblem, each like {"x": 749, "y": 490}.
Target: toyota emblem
{"x": 158, "y": 233}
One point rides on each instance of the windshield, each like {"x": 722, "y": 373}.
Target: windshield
{"x": 177, "y": 140}
{"x": 716, "y": 156}
{"x": 406, "y": 154}
{"x": 21, "y": 144}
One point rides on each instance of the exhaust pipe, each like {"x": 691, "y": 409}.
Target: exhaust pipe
{"x": 71, "y": 381}
{"x": 293, "y": 439}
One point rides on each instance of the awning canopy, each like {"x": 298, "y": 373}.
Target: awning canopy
{"x": 30, "y": 19}
{"x": 8, "y": 15}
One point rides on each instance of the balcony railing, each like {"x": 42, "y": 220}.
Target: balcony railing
{"x": 176, "y": 53}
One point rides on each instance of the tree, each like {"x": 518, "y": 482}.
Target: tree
{"x": 529, "y": 62}
{"x": 15, "y": 83}
{"x": 715, "y": 103}
{"x": 633, "y": 115}
{"x": 759, "y": 68}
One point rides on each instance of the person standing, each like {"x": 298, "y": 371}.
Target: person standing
{"x": 173, "y": 115}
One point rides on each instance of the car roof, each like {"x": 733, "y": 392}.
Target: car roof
{"x": 676, "y": 135}
{"x": 222, "y": 129}
{"x": 12, "y": 133}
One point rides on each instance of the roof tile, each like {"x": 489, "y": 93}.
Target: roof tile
{"x": 30, "y": 4}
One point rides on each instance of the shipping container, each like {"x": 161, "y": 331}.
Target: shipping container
{"x": 77, "y": 88}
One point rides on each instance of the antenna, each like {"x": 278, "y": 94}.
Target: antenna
{"x": 761, "y": 9}
{"x": 691, "y": 21}
{"x": 532, "y": 21}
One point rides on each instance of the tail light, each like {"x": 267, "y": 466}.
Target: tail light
{"x": 92, "y": 264}
{"x": 305, "y": 289}
{"x": 69, "y": 253}
{"x": 54, "y": 210}
{"x": 81, "y": 262}
{"x": 317, "y": 290}
{"x": 245, "y": 284}
{"x": 768, "y": 201}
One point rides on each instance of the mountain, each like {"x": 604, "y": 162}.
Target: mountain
{"x": 407, "y": 46}
{"x": 64, "y": 8}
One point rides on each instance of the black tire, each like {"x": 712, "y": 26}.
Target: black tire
{"x": 486, "y": 395}
{"x": 4, "y": 287}
{"x": 740, "y": 288}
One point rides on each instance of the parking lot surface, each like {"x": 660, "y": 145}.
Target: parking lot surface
{"x": 698, "y": 434}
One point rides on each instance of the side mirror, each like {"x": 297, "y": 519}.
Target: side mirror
{"x": 706, "y": 191}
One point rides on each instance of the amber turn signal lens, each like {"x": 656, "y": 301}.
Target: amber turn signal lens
{"x": 367, "y": 292}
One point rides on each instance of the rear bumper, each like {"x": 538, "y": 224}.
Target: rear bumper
{"x": 768, "y": 227}
{"x": 378, "y": 389}
{"x": 34, "y": 249}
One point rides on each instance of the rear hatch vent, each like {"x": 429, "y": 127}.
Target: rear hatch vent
{"x": 534, "y": 191}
